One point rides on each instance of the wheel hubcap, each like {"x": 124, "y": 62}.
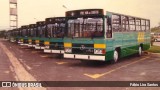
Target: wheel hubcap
{"x": 140, "y": 51}
{"x": 115, "y": 56}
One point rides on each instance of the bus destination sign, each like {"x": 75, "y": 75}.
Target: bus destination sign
{"x": 40, "y": 23}
{"x": 60, "y": 19}
{"x": 87, "y": 12}
{"x": 55, "y": 20}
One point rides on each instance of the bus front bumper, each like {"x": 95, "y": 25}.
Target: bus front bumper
{"x": 39, "y": 47}
{"x": 31, "y": 45}
{"x": 20, "y": 42}
{"x": 12, "y": 41}
{"x": 53, "y": 51}
{"x": 24, "y": 44}
{"x": 85, "y": 57}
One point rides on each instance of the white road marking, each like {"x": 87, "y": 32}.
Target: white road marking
{"x": 7, "y": 72}
{"x": 19, "y": 70}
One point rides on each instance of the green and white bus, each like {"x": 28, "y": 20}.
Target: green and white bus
{"x": 18, "y": 35}
{"x": 41, "y": 35}
{"x": 56, "y": 30}
{"x": 24, "y": 35}
{"x": 93, "y": 34}
{"x": 10, "y": 35}
{"x": 32, "y": 35}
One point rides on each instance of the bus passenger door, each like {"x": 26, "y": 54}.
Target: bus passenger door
{"x": 109, "y": 38}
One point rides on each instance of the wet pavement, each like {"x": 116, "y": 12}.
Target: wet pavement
{"x": 49, "y": 67}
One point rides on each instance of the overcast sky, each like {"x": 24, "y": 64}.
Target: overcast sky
{"x": 31, "y": 11}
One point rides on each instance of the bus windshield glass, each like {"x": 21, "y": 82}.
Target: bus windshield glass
{"x": 24, "y": 32}
{"x": 56, "y": 30}
{"x": 32, "y": 32}
{"x": 85, "y": 28}
{"x": 41, "y": 31}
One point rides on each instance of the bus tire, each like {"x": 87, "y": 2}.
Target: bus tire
{"x": 140, "y": 51}
{"x": 115, "y": 56}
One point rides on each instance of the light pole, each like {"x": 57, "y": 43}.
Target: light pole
{"x": 36, "y": 20}
{"x": 64, "y": 6}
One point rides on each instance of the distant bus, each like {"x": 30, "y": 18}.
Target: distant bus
{"x": 93, "y": 34}
{"x": 17, "y": 34}
{"x": 157, "y": 37}
{"x": 10, "y": 35}
{"x": 13, "y": 35}
{"x": 24, "y": 35}
{"x": 41, "y": 35}
{"x": 33, "y": 35}
{"x": 56, "y": 30}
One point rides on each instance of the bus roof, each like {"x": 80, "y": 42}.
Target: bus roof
{"x": 24, "y": 26}
{"x": 32, "y": 25}
{"x": 93, "y": 12}
{"x": 127, "y": 15}
{"x": 55, "y": 20}
{"x": 84, "y": 12}
{"x": 39, "y": 23}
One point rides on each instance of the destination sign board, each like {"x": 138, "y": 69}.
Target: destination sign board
{"x": 85, "y": 12}
{"x": 32, "y": 25}
{"x": 55, "y": 20}
{"x": 25, "y": 26}
{"x": 41, "y": 23}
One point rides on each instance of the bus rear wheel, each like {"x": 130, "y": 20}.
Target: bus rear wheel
{"x": 115, "y": 56}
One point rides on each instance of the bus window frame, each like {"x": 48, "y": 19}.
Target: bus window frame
{"x": 133, "y": 24}
{"x": 118, "y": 22}
{"x": 106, "y": 27}
{"x": 126, "y": 24}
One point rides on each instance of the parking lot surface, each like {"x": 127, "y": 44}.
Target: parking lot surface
{"x": 27, "y": 64}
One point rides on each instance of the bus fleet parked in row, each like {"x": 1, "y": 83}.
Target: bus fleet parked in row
{"x": 87, "y": 34}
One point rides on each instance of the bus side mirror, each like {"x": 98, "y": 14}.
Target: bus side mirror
{"x": 109, "y": 21}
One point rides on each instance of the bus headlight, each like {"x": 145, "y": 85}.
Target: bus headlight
{"x": 46, "y": 43}
{"x": 37, "y": 41}
{"x": 68, "y": 50}
{"x": 29, "y": 40}
{"x": 99, "y": 51}
{"x": 21, "y": 40}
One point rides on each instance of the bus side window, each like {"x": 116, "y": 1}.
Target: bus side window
{"x": 116, "y": 23}
{"x": 147, "y": 25}
{"x": 143, "y": 25}
{"x": 132, "y": 24}
{"x": 108, "y": 27}
{"x": 138, "y": 24}
{"x": 125, "y": 23}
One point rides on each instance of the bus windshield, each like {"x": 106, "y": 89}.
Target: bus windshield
{"x": 41, "y": 31}
{"x": 24, "y": 32}
{"x": 32, "y": 32}
{"x": 56, "y": 30}
{"x": 85, "y": 28}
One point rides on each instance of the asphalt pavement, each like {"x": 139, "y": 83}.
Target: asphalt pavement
{"x": 19, "y": 63}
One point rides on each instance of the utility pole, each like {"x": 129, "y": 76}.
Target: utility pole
{"x": 64, "y": 6}
{"x": 13, "y": 14}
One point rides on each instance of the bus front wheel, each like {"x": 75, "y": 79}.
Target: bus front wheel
{"x": 140, "y": 51}
{"x": 115, "y": 56}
